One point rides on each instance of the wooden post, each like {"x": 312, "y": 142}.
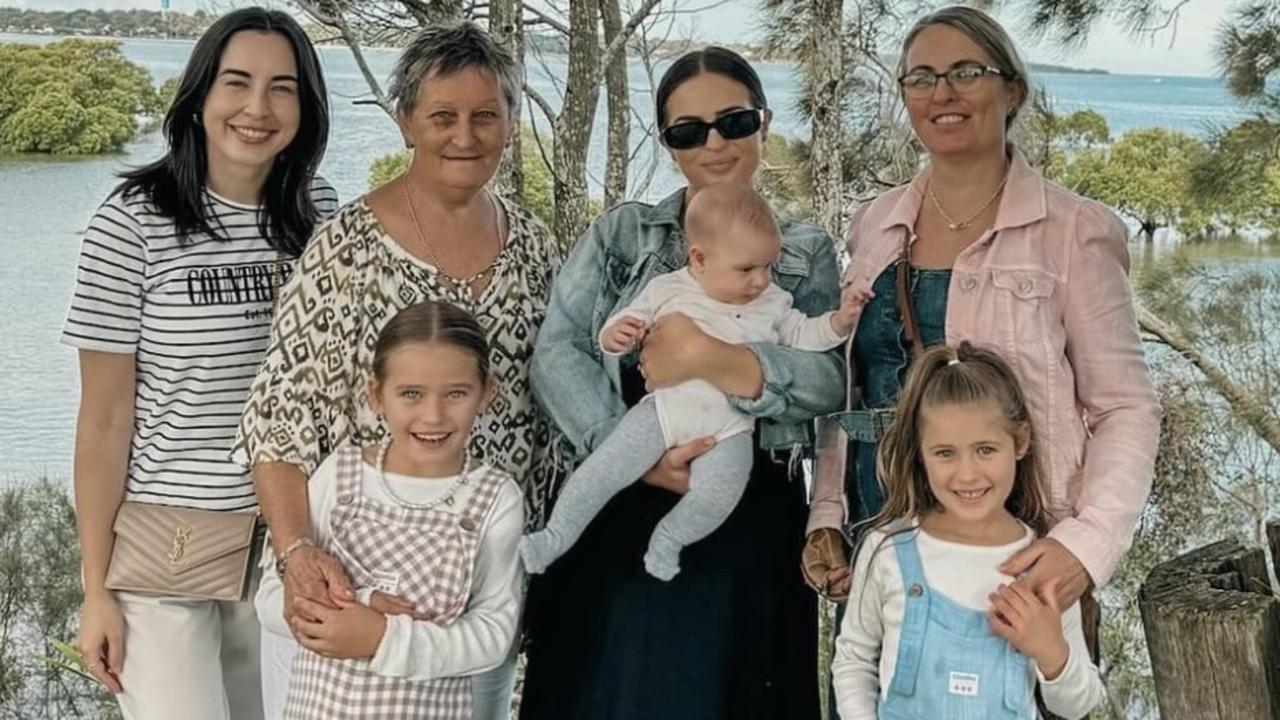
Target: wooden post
{"x": 1213, "y": 632}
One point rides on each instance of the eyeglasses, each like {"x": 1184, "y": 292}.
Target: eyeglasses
{"x": 962, "y": 78}
{"x": 730, "y": 126}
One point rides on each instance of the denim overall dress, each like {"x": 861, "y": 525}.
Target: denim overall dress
{"x": 950, "y": 665}
{"x": 881, "y": 358}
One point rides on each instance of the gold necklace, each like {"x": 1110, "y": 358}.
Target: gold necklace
{"x": 462, "y": 286}
{"x": 957, "y": 225}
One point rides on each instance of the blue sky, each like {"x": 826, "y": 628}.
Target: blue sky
{"x": 1189, "y": 51}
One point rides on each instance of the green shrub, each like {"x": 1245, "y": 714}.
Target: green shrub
{"x": 72, "y": 97}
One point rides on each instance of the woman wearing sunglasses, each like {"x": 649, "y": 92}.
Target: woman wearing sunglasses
{"x": 734, "y": 634}
{"x": 979, "y": 247}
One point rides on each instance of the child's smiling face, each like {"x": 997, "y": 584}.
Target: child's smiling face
{"x": 970, "y": 456}
{"x": 429, "y": 397}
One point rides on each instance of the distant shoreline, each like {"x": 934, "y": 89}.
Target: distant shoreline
{"x": 1065, "y": 69}
{"x": 749, "y": 51}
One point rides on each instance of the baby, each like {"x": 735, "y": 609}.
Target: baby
{"x": 727, "y": 290}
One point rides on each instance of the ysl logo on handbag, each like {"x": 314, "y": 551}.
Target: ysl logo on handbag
{"x": 181, "y": 534}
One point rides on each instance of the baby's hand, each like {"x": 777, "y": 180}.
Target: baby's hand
{"x": 624, "y": 334}
{"x": 1033, "y": 625}
{"x": 851, "y": 303}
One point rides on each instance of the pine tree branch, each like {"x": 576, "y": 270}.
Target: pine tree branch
{"x": 1244, "y": 404}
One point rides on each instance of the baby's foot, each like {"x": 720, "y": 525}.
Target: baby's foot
{"x": 662, "y": 560}
{"x": 538, "y": 550}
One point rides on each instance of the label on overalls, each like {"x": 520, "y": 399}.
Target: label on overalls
{"x": 963, "y": 684}
{"x": 387, "y": 582}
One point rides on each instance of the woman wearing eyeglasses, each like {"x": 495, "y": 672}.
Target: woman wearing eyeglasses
{"x": 979, "y": 247}
{"x": 734, "y": 634}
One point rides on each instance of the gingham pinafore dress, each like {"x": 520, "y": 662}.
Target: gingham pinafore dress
{"x": 422, "y": 554}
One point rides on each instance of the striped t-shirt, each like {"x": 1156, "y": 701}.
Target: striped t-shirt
{"x": 197, "y": 317}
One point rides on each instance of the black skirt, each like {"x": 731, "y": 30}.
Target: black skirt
{"x": 734, "y": 635}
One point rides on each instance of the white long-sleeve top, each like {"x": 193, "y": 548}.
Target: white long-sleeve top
{"x": 476, "y": 641}
{"x": 867, "y": 647}
{"x": 696, "y": 408}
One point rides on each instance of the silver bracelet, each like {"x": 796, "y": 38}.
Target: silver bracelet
{"x": 282, "y": 558}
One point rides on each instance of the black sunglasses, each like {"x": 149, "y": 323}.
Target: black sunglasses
{"x": 730, "y": 126}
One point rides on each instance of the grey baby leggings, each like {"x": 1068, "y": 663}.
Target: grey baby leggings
{"x": 716, "y": 481}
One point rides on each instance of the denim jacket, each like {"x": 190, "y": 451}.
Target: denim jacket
{"x": 580, "y": 387}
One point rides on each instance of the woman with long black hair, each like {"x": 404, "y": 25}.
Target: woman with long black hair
{"x": 172, "y": 308}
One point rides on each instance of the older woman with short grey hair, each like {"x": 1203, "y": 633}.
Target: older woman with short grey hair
{"x": 435, "y": 232}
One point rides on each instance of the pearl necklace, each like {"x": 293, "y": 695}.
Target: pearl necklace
{"x": 957, "y": 225}
{"x": 446, "y": 497}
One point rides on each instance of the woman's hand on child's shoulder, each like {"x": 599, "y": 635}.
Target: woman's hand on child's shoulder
{"x": 351, "y": 631}
{"x": 1032, "y": 623}
{"x": 1047, "y": 560}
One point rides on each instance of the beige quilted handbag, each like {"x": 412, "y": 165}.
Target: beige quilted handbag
{"x": 181, "y": 552}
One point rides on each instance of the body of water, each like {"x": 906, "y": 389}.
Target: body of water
{"x": 45, "y": 203}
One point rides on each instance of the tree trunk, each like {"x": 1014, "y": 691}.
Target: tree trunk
{"x": 573, "y": 124}
{"x": 1273, "y": 541}
{"x": 1243, "y": 402}
{"x": 824, "y": 70}
{"x": 507, "y": 27}
{"x": 619, "y": 108}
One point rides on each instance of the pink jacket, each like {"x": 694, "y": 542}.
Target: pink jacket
{"x": 1048, "y": 288}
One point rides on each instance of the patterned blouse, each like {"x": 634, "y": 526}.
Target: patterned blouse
{"x": 310, "y": 394}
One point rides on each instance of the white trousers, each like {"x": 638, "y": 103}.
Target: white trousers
{"x": 490, "y": 690}
{"x": 193, "y": 659}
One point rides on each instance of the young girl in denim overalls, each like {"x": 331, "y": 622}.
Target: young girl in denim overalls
{"x": 933, "y": 631}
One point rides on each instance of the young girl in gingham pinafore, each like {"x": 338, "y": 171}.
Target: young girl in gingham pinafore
{"x": 411, "y": 518}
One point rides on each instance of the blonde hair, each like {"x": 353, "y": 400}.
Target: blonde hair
{"x": 714, "y": 208}
{"x": 987, "y": 34}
